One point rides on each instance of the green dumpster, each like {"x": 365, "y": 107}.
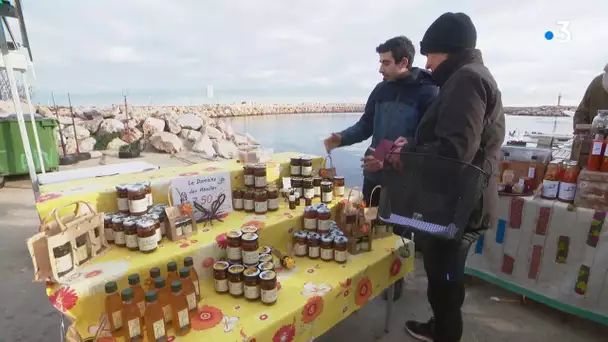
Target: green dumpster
{"x": 12, "y": 153}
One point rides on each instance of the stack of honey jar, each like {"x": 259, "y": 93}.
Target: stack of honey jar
{"x": 307, "y": 186}
{"x": 258, "y": 196}
{"x": 249, "y": 270}
{"x": 137, "y": 231}
{"x": 133, "y": 313}
{"x": 321, "y": 237}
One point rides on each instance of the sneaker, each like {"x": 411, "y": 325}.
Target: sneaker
{"x": 420, "y": 331}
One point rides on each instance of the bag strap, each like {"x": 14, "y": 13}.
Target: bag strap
{"x": 62, "y": 226}
{"x": 371, "y": 195}
{"x": 331, "y": 162}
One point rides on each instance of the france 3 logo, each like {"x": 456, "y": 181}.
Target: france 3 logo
{"x": 562, "y": 35}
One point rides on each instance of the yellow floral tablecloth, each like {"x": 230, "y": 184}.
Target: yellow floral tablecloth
{"x": 313, "y": 297}
{"x": 102, "y": 192}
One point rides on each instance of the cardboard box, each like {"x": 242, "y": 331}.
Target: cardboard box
{"x": 523, "y": 170}
{"x": 175, "y": 217}
{"x": 592, "y": 190}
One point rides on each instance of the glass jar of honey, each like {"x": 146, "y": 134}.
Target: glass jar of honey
{"x": 249, "y": 179}
{"x": 551, "y": 180}
{"x": 273, "y": 198}
{"x": 300, "y": 247}
{"x": 326, "y": 192}
{"x": 265, "y": 258}
{"x": 327, "y": 248}
{"x": 250, "y": 249}
{"x": 108, "y": 232}
{"x": 130, "y": 231}
{"x": 259, "y": 174}
{"x": 296, "y": 185}
{"x": 235, "y": 280}
{"x": 340, "y": 247}
{"x": 308, "y": 188}
{"x": 220, "y": 276}
{"x": 323, "y": 220}
{"x": 119, "y": 232}
{"x": 82, "y": 252}
{"x": 148, "y": 189}
{"x": 567, "y": 185}
{"x": 339, "y": 186}
{"x": 251, "y": 285}
{"x": 266, "y": 266}
{"x": 295, "y": 166}
{"x": 122, "y": 198}
{"x": 314, "y": 243}
{"x": 248, "y": 201}
{"x": 157, "y": 226}
{"x": 310, "y": 219}
{"x": 260, "y": 202}
{"x": 138, "y": 202}
{"x": 316, "y": 184}
{"x": 268, "y": 287}
{"x": 237, "y": 199}
{"x": 233, "y": 250}
{"x": 147, "y": 236}
{"x": 306, "y": 166}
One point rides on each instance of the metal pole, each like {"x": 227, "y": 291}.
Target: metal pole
{"x": 74, "y": 125}
{"x": 34, "y": 126}
{"x": 65, "y": 153}
{"x": 15, "y": 95}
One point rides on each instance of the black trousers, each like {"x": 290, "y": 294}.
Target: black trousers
{"x": 444, "y": 263}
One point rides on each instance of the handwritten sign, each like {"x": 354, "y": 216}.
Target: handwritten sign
{"x": 205, "y": 190}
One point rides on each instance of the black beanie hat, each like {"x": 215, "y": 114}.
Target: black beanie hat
{"x": 451, "y": 32}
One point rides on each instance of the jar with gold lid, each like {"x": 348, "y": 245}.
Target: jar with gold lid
{"x": 268, "y": 287}
{"x": 306, "y": 166}
{"x": 266, "y": 266}
{"x": 249, "y": 229}
{"x": 235, "y": 280}
{"x": 265, "y": 258}
{"x": 251, "y": 282}
{"x": 220, "y": 276}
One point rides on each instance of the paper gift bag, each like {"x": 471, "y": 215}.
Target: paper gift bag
{"x": 327, "y": 171}
{"x": 179, "y": 222}
{"x": 370, "y": 217}
{"x": 348, "y": 211}
{"x": 66, "y": 242}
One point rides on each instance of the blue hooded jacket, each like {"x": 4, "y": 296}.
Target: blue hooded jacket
{"x": 393, "y": 110}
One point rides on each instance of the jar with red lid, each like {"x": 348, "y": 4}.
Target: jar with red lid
{"x": 310, "y": 219}
{"x": 300, "y": 247}
{"x": 314, "y": 245}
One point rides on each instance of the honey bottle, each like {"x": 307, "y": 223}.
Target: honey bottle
{"x": 188, "y": 262}
{"x": 113, "y": 306}
{"x": 154, "y": 319}
{"x": 154, "y": 273}
{"x": 131, "y": 317}
{"x": 188, "y": 290}
{"x": 164, "y": 297}
{"x": 172, "y": 274}
{"x": 138, "y": 293}
{"x": 179, "y": 309}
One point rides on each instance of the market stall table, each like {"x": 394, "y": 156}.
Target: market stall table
{"x": 550, "y": 252}
{"x": 311, "y": 298}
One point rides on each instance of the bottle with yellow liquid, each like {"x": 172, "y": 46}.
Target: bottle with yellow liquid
{"x": 179, "y": 309}
{"x": 131, "y": 317}
{"x": 138, "y": 293}
{"x": 172, "y": 274}
{"x": 154, "y": 319}
{"x": 188, "y": 262}
{"x": 188, "y": 290}
{"x": 154, "y": 273}
{"x": 113, "y": 307}
{"x": 164, "y": 297}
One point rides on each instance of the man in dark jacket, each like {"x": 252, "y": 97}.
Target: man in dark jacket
{"x": 466, "y": 122}
{"x": 393, "y": 109}
{"x": 595, "y": 98}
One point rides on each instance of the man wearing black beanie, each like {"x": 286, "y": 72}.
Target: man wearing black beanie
{"x": 466, "y": 122}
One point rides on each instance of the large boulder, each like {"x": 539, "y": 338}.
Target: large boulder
{"x": 190, "y": 121}
{"x": 225, "y": 127}
{"x": 115, "y": 144}
{"x": 190, "y": 135}
{"x": 204, "y": 146}
{"x": 240, "y": 139}
{"x": 92, "y": 125}
{"x": 166, "y": 142}
{"x": 81, "y": 132}
{"x": 109, "y": 126}
{"x": 91, "y": 113}
{"x": 172, "y": 124}
{"x": 225, "y": 149}
{"x": 45, "y": 111}
{"x": 214, "y": 133}
{"x": 87, "y": 144}
{"x": 152, "y": 126}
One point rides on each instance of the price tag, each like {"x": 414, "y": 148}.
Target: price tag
{"x": 205, "y": 190}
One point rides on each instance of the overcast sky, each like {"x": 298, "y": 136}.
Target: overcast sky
{"x": 308, "y": 50}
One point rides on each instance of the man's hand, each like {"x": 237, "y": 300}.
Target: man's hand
{"x": 371, "y": 164}
{"x": 333, "y": 141}
{"x": 394, "y": 157}
{"x": 400, "y": 142}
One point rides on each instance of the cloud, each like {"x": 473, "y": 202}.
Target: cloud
{"x": 306, "y": 49}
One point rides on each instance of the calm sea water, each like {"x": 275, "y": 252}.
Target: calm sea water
{"x": 305, "y": 133}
